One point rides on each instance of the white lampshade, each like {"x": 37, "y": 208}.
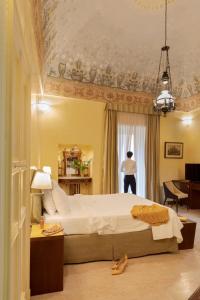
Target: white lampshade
{"x": 47, "y": 169}
{"x": 41, "y": 181}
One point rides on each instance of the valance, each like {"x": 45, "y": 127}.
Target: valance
{"x": 132, "y": 108}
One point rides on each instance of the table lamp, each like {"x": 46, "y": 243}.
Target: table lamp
{"x": 41, "y": 181}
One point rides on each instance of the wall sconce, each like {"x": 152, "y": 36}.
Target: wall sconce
{"x": 187, "y": 120}
{"x": 42, "y": 106}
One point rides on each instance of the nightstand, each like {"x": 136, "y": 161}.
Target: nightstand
{"x": 188, "y": 233}
{"x": 46, "y": 261}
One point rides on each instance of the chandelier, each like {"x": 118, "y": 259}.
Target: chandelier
{"x": 164, "y": 101}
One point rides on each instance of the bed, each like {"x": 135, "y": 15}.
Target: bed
{"x": 101, "y": 227}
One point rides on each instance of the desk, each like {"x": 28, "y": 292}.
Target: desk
{"x": 194, "y": 195}
{"x": 74, "y": 182}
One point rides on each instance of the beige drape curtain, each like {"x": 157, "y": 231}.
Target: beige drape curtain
{"x": 152, "y": 158}
{"x": 110, "y": 165}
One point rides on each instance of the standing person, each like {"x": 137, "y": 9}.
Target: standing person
{"x": 129, "y": 168}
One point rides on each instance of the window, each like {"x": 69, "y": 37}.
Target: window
{"x": 131, "y": 133}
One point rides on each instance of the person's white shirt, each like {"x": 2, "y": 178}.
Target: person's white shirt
{"x": 128, "y": 166}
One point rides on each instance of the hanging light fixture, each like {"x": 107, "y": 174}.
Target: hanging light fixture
{"x": 164, "y": 101}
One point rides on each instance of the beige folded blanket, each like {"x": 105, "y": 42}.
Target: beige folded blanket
{"x": 153, "y": 214}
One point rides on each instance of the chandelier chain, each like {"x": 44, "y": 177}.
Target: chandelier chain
{"x": 165, "y": 23}
{"x": 164, "y": 101}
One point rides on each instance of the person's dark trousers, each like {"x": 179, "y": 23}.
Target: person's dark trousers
{"x": 129, "y": 180}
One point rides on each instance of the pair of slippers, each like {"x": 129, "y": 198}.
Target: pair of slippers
{"x": 120, "y": 265}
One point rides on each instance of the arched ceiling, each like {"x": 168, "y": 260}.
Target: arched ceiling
{"x": 117, "y": 43}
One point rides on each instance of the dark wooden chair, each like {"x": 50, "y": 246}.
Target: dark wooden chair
{"x": 173, "y": 193}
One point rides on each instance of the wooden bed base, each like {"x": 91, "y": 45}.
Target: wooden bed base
{"x": 94, "y": 247}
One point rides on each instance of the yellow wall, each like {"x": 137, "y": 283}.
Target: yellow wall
{"x": 69, "y": 121}
{"x": 193, "y": 141}
{"x": 72, "y": 121}
{"x": 172, "y": 129}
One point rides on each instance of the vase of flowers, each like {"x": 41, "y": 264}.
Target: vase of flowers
{"x": 82, "y": 167}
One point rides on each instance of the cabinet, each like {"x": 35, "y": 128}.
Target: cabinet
{"x": 46, "y": 262}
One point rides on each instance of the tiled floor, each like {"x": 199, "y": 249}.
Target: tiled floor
{"x": 156, "y": 277}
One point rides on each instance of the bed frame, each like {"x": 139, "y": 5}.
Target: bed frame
{"x": 94, "y": 247}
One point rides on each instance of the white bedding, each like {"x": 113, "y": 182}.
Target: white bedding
{"x": 110, "y": 214}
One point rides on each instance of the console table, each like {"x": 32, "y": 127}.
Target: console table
{"x": 192, "y": 189}
{"x": 74, "y": 182}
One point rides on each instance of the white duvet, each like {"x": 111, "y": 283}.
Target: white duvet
{"x": 111, "y": 214}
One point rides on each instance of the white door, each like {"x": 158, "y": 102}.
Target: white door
{"x": 15, "y": 103}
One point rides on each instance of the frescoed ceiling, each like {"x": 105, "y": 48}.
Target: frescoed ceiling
{"x": 116, "y": 44}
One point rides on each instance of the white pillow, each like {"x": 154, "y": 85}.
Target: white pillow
{"x": 60, "y": 200}
{"x": 48, "y": 202}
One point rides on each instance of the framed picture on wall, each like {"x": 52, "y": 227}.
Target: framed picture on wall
{"x": 173, "y": 150}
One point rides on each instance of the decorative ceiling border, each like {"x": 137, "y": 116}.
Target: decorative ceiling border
{"x": 36, "y": 7}
{"x": 73, "y": 89}
{"x": 188, "y": 104}
{"x": 81, "y": 71}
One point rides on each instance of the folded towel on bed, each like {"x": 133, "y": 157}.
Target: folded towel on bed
{"x": 152, "y": 214}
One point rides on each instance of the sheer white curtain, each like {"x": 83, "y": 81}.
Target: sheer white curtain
{"x": 131, "y": 133}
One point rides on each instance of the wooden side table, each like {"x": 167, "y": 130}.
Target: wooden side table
{"x": 74, "y": 183}
{"x": 188, "y": 233}
{"x": 46, "y": 261}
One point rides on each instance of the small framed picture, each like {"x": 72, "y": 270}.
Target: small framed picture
{"x": 173, "y": 150}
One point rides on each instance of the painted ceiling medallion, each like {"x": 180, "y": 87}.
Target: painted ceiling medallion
{"x": 152, "y": 4}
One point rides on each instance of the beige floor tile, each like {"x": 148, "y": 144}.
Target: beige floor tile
{"x": 155, "y": 277}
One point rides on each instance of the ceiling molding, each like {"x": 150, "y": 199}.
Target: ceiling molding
{"x": 74, "y": 89}
{"x": 78, "y": 70}
{"x": 188, "y": 104}
{"x": 87, "y": 91}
